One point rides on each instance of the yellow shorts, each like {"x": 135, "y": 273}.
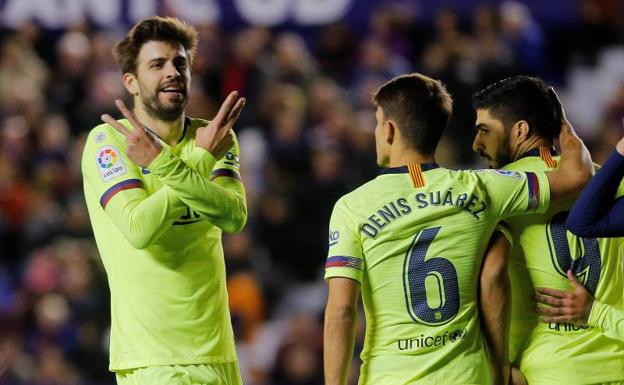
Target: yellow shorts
{"x": 205, "y": 374}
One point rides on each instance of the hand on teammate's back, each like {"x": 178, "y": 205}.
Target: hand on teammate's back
{"x": 565, "y": 306}
{"x": 216, "y": 136}
{"x": 142, "y": 147}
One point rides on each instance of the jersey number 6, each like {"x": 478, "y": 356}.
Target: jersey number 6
{"x": 437, "y": 274}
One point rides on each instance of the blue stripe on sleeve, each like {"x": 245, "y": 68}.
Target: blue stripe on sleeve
{"x": 534, "y": 191}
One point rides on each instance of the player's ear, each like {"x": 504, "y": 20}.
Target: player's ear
{"x": 521, "y": 131}
{"x": 131, "y": 83}
{"x": 389, "y": 131}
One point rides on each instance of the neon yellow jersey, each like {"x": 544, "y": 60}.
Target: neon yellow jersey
{"x": 608, "y": 319}
{"x": 158, "y": 231}
{"x": 414, "y": 237}
{"x": 561, "y": 353}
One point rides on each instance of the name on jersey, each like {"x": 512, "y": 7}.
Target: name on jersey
{"x": 390, "y": 212}
{"x": 431, "y": 341}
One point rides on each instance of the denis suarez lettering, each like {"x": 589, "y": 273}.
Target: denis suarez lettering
{"x": 392, "y": 211}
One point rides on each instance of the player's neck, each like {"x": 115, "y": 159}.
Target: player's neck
{"x": 530, "y": 144}
{"x": 408, "y": 156}
{"x": 168, "y": 132}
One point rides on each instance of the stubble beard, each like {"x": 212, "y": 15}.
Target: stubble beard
{"x": 158, "y": 110}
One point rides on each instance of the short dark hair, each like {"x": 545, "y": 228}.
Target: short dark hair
{"x": 419, "y": 105}
{"x": 522, "y": 98}
{"x": 156, "y": 28}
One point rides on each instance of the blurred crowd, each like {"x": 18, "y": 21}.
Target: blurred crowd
{"x": 306, "y": 135}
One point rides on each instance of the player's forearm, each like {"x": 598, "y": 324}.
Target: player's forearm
{"x": 204, "y": 161}
{"x": 224, "y": 207}
{"x": 141, "y": 219}
{"x": 496, "y": 330}
{"x": 495, "y": 306}
{"x": 339, "y": 340}
{"x": 608, "y": 319}
{"x": 596, "y": 212}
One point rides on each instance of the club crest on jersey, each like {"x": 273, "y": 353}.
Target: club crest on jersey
{"x": 513, "y": 174}
{"x": 109, "y": 163}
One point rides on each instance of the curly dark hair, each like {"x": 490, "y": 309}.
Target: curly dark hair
{"x": 156, "y": 28}
{"x": 522, "y": 98}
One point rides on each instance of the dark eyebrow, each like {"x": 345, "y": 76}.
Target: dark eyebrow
{"x": 481, "y": 126}
{"x": 156, "y": 59}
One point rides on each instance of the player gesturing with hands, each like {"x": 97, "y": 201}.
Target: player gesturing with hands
{"x": 215, "y": 137}
{"x": 161, "y": 187}
{"x": 142, "y": 147}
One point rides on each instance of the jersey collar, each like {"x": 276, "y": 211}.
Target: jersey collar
{"x": 187, "y": 122}
{"x": 405, "y": 170}
{"x": 536, "y": 152}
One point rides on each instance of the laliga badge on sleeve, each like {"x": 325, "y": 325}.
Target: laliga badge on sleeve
{"x": 109, "y": 163}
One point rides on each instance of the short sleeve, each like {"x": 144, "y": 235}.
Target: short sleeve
{"x": 345, "y": 257}
{"x": 503, "y": 228}
{"x": 514, "y": 193}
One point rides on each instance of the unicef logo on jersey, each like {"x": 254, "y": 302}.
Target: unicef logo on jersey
{"x": 333, "y": 237}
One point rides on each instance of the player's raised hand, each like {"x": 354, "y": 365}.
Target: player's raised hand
{"x": 565, "y": 306}
{"x": 568, "y": 139}
{"x": 142, "y": 148}
{"x": 569, "y": 142}
{"x": 216, "y": 137}
{"x": 576, "y": 167}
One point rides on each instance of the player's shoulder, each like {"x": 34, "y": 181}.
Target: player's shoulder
{"x": 103, "y": 141}
{"x": 528, "y": 163}
{"x": 104, "y": 134}
{"x": 195, "y": 123}
{"x": 495, "y": 174}
{"x": 360, "y": 197}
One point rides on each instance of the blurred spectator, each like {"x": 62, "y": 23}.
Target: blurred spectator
{"x": 524, "y": 36}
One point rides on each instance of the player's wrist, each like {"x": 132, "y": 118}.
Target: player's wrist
{"x": 211, "y": 148}
{"x": 161, "y": 158}
{"x": 152, "y": 156}
{"x": 501, "y": 375}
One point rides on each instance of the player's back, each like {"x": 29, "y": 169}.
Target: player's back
{"x": 415, "y": 241}
{"x": 561, "y": 353}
